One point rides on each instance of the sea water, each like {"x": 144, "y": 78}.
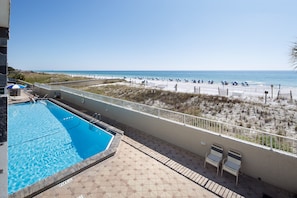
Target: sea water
{"x": 276, "y": 78}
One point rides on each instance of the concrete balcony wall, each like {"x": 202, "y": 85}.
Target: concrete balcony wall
{"x": 4, "y": 35}
{"x": 3, "y": 166}
{"x": 273, "y": 167}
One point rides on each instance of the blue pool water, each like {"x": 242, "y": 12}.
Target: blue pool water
{"x": 44, "y": 139}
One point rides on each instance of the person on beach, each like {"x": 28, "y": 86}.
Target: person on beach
{"x": 175, "y": 87}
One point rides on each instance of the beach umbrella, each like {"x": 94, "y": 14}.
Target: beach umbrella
{"x": 16, "y": 86}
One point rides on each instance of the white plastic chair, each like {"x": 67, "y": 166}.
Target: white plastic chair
{"x": 214, "y": 156}
{"x": 232, "y": 164}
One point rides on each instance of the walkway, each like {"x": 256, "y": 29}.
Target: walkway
{"x": 145, "y": 166}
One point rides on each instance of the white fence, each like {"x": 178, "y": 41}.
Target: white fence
{"x": 263, "y": 138}
{"x": 229, "y": 90}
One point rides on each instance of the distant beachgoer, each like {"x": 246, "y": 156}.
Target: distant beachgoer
{"x": 175, "y": 87}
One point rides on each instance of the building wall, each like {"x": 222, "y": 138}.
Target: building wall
{"x": 4, "y": 13}
{"x": 3, "y": 148}
{"x": 4, "y": 35}
{"x": 270, "y": 166}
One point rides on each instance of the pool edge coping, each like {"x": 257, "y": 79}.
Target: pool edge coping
{"x": 73, "y": 170}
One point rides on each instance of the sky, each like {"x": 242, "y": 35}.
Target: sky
{"x": 152, "y": 34}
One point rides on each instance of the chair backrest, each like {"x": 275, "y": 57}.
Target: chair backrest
{"x": 234, "y": 157}
{"x": 216, "y": 150}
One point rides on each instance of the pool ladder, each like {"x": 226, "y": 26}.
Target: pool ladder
{"x": 96, "y": 117}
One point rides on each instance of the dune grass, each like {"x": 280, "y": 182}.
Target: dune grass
{"x": 182, "y": 102}
{"x": 32, "y": 77}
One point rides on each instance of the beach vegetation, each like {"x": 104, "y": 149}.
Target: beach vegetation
{"x": 268, "y": 120}
{"x": 194, "y": 110}
{"x": 249, "y": 125}
{"x": 281, "y": 132}
{"x": 15, "y": 74}
{"x": 267, "y": 140}
{"x": 10, "y": 69}
{"x": 274, "y": 142}
{"x": 244, "y": 137}
{"x": 41, "y": 77}
{"x": 240, "y": 123}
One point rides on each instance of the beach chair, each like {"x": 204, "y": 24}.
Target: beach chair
{"x": 214, "y": 156}
{"x": 232, "y": 164}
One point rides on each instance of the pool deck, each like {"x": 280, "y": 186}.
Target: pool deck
{"x": 23, "y": 97}
{"x": 145, "y": 166}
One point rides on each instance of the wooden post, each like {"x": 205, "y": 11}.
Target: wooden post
{"x": 266, "y": 92}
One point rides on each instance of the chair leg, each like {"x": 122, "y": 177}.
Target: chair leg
{"x": 218, "y": 170}
{"x": 222, "y": 172}
{"x": 236, "y": 180}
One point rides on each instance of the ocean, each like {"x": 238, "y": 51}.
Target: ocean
{"x": 265, "y": 78}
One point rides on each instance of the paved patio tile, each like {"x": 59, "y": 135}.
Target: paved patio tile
{"x": 145, "y": 166}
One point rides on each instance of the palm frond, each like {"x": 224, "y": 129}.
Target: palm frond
{"x": 294, "y": 55}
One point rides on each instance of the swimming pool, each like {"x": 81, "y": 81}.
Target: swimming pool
{"x": 44, "y": 139}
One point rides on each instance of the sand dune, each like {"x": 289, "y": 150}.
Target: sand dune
{"x": 245, "y": 105}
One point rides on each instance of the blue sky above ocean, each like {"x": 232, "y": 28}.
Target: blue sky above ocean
{"x": 152, "y": 35}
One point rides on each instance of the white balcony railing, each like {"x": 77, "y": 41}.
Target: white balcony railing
{"x": 263, "y": 138}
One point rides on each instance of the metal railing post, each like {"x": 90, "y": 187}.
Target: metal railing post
{"x": 220, "y": 128}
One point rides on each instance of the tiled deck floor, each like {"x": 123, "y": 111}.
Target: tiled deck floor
{"x": 148, "y": 167}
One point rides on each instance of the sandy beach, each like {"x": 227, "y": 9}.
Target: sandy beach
{"x": 254, "y": 93}
{"x": 243, "y": 91}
